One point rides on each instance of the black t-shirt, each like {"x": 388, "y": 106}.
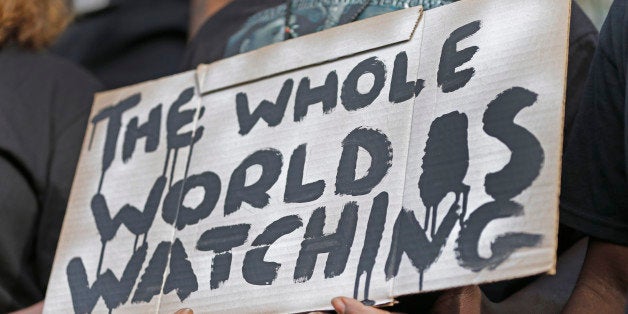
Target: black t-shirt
{"x": 44, "y": 107}
{"x": 594, "y": 195}
{"x": 263, "y": 21}
{"x": 129, "y": 41}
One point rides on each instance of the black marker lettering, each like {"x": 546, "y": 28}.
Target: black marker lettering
{"x": 150, "y": 129}
{"x": 502, "y": 247}
{"x": 296, "y": 191}
{"x": 445, "y": 165}
{"x": 379, "y": 148}
{"x": 522, "y": 169}
{"x": 255, "y": 194}
{"x": 338, "y": 245}
{"x": 137, "y": 222}
{"x": 181, "y": 276}
{"x": 255, "y": 270}
{"x": 351, "y": 98}
{"x": 410, "y": 238}
{"x": 174, "y": 209}
{"x": 113, "y": 291}
{"x": 178, "y": 119}
{"x": 150, "y": 283}
{"x": 221, "y": 240}
{"x": 448, "y": 79}
{"x": 527, "y": 156}
{"x": 374, "y": 231}
{"x": 114, "y": 114}
{"x": 400, "y": 89}
{"x": 307, "y": 96}
{"x": 271, "y": 113}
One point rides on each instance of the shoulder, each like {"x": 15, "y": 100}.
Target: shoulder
{"x": 34, "y": 68}
{"x": 46, "y": 87}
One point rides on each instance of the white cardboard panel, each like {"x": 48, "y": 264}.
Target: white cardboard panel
{"x": 508, "y": 44}
{"x": 124, "y": 183}
{"x": 521, "y": 44}
{"x": 323, "y": 133}
{"x": 308, "y": 50}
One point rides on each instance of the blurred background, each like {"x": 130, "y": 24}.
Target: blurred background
{"x": 124, "y": 42}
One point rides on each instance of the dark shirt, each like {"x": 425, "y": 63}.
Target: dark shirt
{"x": 129, "y": 41}
{"x": 216, "y": 37}
{"x": 594, "y": 195}
{"x": 44, "y": 107}
{"x": 245, "y": 25}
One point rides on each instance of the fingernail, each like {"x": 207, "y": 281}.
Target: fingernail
{"x": 339, "y": 305}
{"x": 184, "y": 311}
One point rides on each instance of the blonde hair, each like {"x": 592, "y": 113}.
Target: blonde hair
{"x": 32, "y": 24}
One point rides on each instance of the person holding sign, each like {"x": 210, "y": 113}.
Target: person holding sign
{"x": 594, "y": 195}
{"x": 44, "y": 106}
{"x": 594, "y": 183}
{"x": 237, "y": 27}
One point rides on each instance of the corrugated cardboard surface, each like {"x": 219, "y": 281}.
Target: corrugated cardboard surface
{"x": 520, "y": 44}
{"x": 509, "y": 55}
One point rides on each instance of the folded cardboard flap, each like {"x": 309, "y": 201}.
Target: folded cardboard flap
{"x": 392, "y": 28}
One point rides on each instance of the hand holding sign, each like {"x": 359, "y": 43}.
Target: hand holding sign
{"x": 379, "y": 167}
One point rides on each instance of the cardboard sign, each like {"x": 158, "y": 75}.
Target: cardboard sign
{"x": 410, "y": 152}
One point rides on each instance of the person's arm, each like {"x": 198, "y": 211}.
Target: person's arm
{"x": 603, "y": 283}
{"x": 18, "y": 216}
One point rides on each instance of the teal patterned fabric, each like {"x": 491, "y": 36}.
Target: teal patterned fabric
{"x": 309, "y": 16}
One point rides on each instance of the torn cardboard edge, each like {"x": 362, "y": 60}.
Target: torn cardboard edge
{"x": 306, "y": 51}
{"x": 552, "y": 270}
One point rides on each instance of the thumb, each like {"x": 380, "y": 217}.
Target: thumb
{"x": 344, "y": 305}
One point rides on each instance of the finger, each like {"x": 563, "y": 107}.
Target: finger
{"x": 344, "y": 305}
{"x": 37, "y": 308}
{"x": 184, "y": 311}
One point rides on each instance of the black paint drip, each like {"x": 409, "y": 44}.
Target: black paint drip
{"x": 411, "y": 239}
{"x": 181, "y": 277}
{"x": 445, "y": 165}
{"x": 113, "y": 291}
{"x": 138, "y": 222}
{"x": 374, "y": 231}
